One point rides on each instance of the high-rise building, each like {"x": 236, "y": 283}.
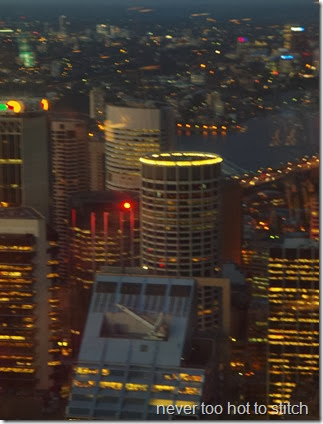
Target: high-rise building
{"x": 24, "y": 154}
{"x": 97, "y": 163}
{"x": 294, "y": 39}
{"x": 70, "y": 171}
{"x": 243, "y": 46}
{"x": 29, "y": 307}
{"x": 136, "y": 355}
{"x": 97, "y": 103}
{"x": 62, "y": 27}
{"x": 180, "y": 213}
{"x": 293, "y": 333}
{"x": 215, "y": 103}
{"x": 314, "y": 217}
{"x": 132, "y": 131}
{"x": 26, "y": 55}
{"x": 231, "y": 233}
{"x": 104, "y": 231}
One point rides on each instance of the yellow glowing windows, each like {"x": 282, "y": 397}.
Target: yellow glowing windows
{"x": 80, "y": 370}
{"x": 137, "y": 387}
{"x": 111, "y": 385}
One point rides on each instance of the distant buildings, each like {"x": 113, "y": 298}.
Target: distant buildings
{"x": 62, "y": 26}
{"x": 26, "y": 55}
{"x": 180, "y": 214}
{"x": 132, "y": 131}
{"x": 29, "y": 305}
{"x": 215, "y": 103}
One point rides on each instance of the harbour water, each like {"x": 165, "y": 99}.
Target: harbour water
{"x": 268, "y": 141}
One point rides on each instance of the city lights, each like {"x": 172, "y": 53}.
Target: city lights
{"x": 126, "y": 205}
{"x": 152, "y": 255}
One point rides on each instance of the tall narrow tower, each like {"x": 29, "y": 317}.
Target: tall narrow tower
{"x": 70, "y": 174}
{"x": 180, "y": 213}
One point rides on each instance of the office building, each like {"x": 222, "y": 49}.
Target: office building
{"x": 97, "y": 161}
{"x": 62, "y": 26}
{"x": 26, "y": 55}
{"x": 70, "y": 173}
{"x": 24, "y": 154}
{"x": 103, "y": 231}
{"x": 180, "y": 214}
{"x": 243, "y": 46}
{"x": 213, "y": 305}
{"x": 286, "y": 63}
{"x": 136, "y": 351}
{"x": 132, "y": 131}
{"x": 293, "y": 333}
{"x": 215, "y": 103}
{"x": 231, "y": 231}
{"x": 29, "y": 306}
{"x": 314, "y": 217}
{"x": 294, "y": 39}
{"x": 97, "y": 103}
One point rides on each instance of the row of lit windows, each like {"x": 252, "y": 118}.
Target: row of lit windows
{"x": 137, "y": 387}
{"x": 105, "y": 372}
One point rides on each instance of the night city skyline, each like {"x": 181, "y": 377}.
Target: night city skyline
{"x": 159, "y": 210}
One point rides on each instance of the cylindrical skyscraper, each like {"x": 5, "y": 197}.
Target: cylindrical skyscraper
{"x": 180, "y": 213}
{"x": 133, "y": 131}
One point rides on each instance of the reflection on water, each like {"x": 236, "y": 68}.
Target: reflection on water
{"x": 267, "y": 142}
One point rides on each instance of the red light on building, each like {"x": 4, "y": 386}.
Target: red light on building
{"x": 126, "y": 205}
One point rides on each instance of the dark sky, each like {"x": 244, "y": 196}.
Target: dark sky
{"x": 298, "y": 10}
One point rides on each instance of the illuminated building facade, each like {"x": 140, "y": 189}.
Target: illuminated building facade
{"x": 314, "y": 217}
{"x": 254, "y": 258}
{"x": 26, "y": 55}
{"x": 131, "y": 132}
{"x": 180, "y": 213}
{"x": 243, "y": 46}
{"x": 135, "y": 350}
{"x": 286, "y": 64}
{"x": 29, "y": 307}
{"x": 213, "y": 305}
{"x": 294, "y": 39}
{"x": 104, "y": 231}
{"x": 293, "y": 333}
{"x": 70, "y": 173}
{"x": 24, "y": 154}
